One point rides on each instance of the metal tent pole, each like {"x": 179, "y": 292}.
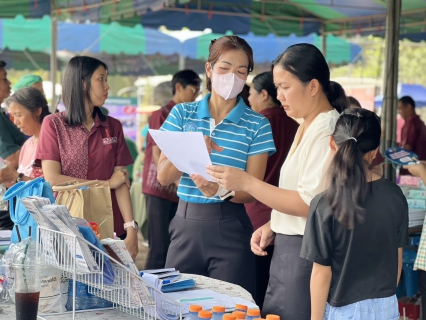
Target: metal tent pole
{"x": 390, "y": 82}
{"x": 53, "y": 57}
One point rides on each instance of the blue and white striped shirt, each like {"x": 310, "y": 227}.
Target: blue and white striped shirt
{"x": 242, "y": 134}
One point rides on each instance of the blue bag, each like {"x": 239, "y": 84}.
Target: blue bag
{"x": 18, "y": 213}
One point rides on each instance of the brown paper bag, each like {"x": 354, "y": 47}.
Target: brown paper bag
{"x": 91, "y": 204}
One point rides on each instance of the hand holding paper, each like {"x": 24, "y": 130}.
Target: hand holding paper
{"x": 186, "y": 150}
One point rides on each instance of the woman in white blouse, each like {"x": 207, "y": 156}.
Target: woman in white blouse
{"x": 302, "y": 78}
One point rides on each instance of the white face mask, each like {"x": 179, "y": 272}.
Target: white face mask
{"x": 228, "y": 85}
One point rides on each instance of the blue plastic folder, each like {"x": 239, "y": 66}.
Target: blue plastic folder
{"x": 178, "y": 285}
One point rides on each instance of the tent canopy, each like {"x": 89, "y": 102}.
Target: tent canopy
{"x": 301, "y": 17}
{"x": 21, "y": 34}
{"x": 415, "y": 91}
{"x": 266, "y": 49}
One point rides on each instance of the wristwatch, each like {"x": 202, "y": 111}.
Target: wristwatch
{"x": 228, "y": 196}
{"x": 18, "y": 179}
{"x": 133, "y": 224}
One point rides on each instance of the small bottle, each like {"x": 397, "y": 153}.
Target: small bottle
{"x": 193, "y": 312}
{"x": 228, "y": 316}
{"x": 241, "y": 307}
{"x": 218, "y": 312}
{"x": 205, "y": 315}
{"x": 272, "y": 317}
{"x": 253, "y": 314}
{"x": 239, "y": 315}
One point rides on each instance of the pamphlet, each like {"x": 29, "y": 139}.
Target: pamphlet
{"x": 401, "y": 157}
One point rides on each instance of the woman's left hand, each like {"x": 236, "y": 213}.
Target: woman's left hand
{"x": 229, "y": 178}
{"x": 131, "y": 242}
{"x": 207, "y": 188}
{"x": 8, "y": 174}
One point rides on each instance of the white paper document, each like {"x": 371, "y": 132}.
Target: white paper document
{"x": 207, "y": 299}
{"x": 186, "y": 150}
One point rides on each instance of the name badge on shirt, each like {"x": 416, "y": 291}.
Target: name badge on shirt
{"x": 109, "y": 140}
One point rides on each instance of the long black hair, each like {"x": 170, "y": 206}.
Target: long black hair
{"x": 265, "y": 81}
{"x": 357, "y": 132}
{"x": 79, "y": 70}
{"x": 306, "y": 62}
{"x": 31, "y": 99}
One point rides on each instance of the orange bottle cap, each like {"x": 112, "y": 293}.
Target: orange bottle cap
{"x": 239, "y": 314}
{"x": 253, "y": 312}
{"x": 195, "y": 308}
{"x": 205, "y": 314}
{"x": 218, "y": 309}
{"x": 228, "y": 317}
{"x": 258, "y": 319}
{"x": 272, "y": 317}
{"x": 241, "y": 307}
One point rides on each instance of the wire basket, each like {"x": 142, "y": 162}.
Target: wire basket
{"x": 106, "y": 277}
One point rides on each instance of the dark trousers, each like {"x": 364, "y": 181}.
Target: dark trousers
{"x": 263, "y": 264}
{"x": 213, "y": 240}
{"x": 288, "y": 293}
{"x": 160, "y": 212}
{"x": 422, "y": 290}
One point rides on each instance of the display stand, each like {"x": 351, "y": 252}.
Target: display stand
{"x": 127, "y": 291}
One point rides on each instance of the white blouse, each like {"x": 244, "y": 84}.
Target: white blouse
{"x": 305, "y": 169}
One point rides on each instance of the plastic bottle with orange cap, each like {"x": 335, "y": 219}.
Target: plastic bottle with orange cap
{"x": 218, "y": 312}
{"x": 205, "y": 315}
{"x": 193, "y": 312}
{"x": 253, "y": 314}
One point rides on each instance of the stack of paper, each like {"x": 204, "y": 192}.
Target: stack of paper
{"x": 5, "y": 236}
{"x": 171, "y": 280}
{"x": 416, "y": 217}
{"x": 139, "y": 292}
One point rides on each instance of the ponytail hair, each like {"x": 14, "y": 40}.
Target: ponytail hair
{"x": 306, "y": 62}
{"x": 357, "y": 132}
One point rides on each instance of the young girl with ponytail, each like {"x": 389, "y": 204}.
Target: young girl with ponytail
{"x": 355, "y": 229}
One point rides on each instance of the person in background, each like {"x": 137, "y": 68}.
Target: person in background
{"x": 143, "y": 136}
{"x": 130, "y": 144}
{"x": 211, "y": 231}
{"x": 419, "y": 170}
{"x": 354, "y": 234}
{"x": 83, "y": 144}
{"x": 302, "y": 78}
{"x": 161, "y": 201}
{"x": 377, "y": 164}
{"x": 11, "y": 141}
{"x": 263, "y": 100}
{"x": 29, "y": 80}
{"x": 413, "y": 134}
{"x": 28, "y": 107}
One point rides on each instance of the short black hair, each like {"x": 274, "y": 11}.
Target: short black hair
{"x": 79, "y": 70}
{"x": 408, "y": 100}
{"x": 184, "y": 78}
{"x": 2, "y": 64}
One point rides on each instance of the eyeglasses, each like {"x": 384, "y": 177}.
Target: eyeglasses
{"x": 194, "y": 91}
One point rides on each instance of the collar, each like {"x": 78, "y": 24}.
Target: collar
{"x": 234, "y": 116}
{"x": 413, "y": 117}
{"x": 99, "y": 122}
{"x": 272, "y": 111}
{"x": 169, "y": 106}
